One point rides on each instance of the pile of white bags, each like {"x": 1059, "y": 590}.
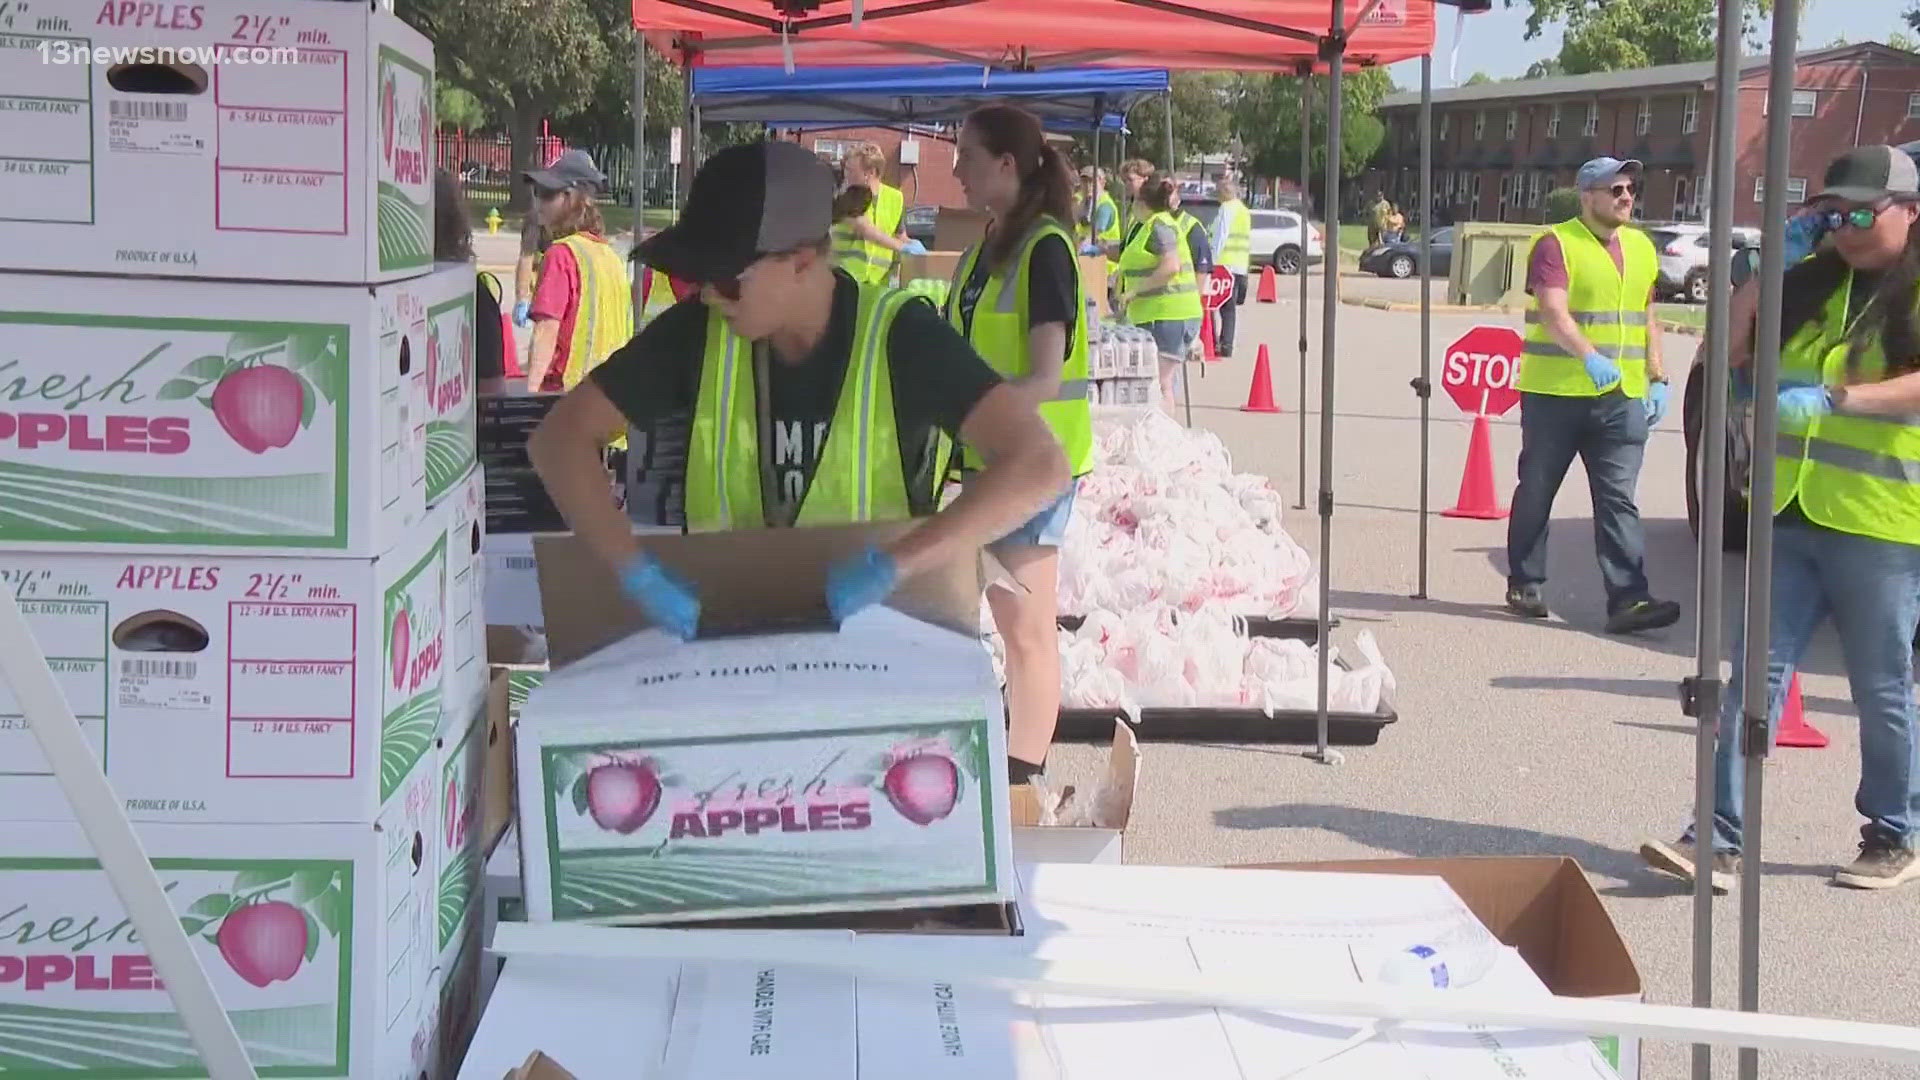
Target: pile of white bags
{"x": 1168, "y": 549}
{"x": 1163, "y": 519}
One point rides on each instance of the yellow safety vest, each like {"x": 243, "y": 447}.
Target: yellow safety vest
{"x": 868, "y": 262}
{"x": 1175, "y": 301}
{"x": 1609, "y": 306}
{"x": 1108, "y": 235}
{"x": 1236, "y": 245}
{"x": 659, "y": 295}
{"x": 999, "y": 334}
{"x": 1856, "y": 474}
{"x": 859, "y": 477}
{"x": 604, "y": 320}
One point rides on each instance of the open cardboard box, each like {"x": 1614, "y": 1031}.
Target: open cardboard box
{"x": 1542, "y": 906}
{"x": 1076, "y": 826}
{"x": 539, "y": 1066}
{"x": 758, "y": 768}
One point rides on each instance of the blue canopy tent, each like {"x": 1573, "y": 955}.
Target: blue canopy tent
{"x": 918, "y": 94}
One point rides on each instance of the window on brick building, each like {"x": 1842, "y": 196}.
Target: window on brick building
{"x": 1643, "y": 122}
{"x": 1805, "y": 103}
{"x": 1479, "y": 123}
{"x": 1796, "y": 190}
{"x": 1553, "y": 121}
{"x": 1913, "y": 106}
{"x": 1690, "y": 115}
{"x": 1513, "y": 123}
{"x": 1592, "y": 126}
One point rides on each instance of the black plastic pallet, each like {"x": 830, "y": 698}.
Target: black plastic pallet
{"x": 1227, "y": 725}
{"x": 1307, "y": 630}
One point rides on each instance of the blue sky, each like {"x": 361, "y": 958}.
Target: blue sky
{"x": 1493, "y": 42}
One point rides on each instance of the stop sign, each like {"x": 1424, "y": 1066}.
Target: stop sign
{"x": 1217, "y": 288}
{"x": 1480, "y": 368}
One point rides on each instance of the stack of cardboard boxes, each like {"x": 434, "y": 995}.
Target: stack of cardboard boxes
{"x": 239, "y": 508}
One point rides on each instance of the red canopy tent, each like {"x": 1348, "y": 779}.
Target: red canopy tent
{"x": 1244, "y": 35}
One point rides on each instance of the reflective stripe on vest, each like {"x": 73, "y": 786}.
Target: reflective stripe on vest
{"x": 850, "y": 254}
{"x": 1237, "y": 245}
{"x": 1608, "y": 304}
{"x": 874, "y": 262}
{"x": 1851, "y": 473}
{"x": 603, "y": 319}
{"x": 859, "y": 476}
{"x": 1175, "y": 301}
{"x": 659, "y": 296}
{"x": 999, "y": 333}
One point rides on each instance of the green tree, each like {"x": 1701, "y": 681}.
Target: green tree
{"x": 1544, "y": 69}
{"x": 456, "y": 108}
{"x": 1266, "y": 119}
{"x": 1562, "y": 203}
{"x": 524, "y": 60}
{"x": 1202, "y": 120}
{"x": 1905, "y": 41}
{"x": 1479, "y": 77}
{"x": 606, "y": 116}
{"x": 1617, "y": 35}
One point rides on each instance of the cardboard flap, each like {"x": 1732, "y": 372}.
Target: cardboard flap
{"x": 956, "y": 229}
{"x": 749, "y": 581}
{"x": 1109, "y": 807}
{"x": 539, "y": 1066}
{"x": 1542, "y": 905}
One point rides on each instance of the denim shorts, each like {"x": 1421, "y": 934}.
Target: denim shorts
{"x": 1048, "y": 527}
{"x": 1174, "y": 336}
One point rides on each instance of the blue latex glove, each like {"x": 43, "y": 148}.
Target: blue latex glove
{"x": 860, "y": 581}
{"x": 665, "y": 596}
{"x": 1803, "y": 403}
{"x": 1602, "y": 370}
{"x": 914, "y": 247}
{"x": 1089, "y": 249}
{"x": 1657, "y": 394}
{"x": 520, "y": 313}
{"x": 1804, "y": 232}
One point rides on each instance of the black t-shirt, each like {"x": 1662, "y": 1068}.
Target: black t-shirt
{"x": 937, "y": 380}
{"x": 1053, "y": 286}
{"x": 489, "y": 346}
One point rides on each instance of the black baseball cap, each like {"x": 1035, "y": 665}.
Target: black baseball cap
{"x": 572, "y": 169}
{"x": 1867, "y": 174}
{"x": 747, "y": 201}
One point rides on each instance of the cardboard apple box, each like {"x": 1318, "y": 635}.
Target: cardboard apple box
{"x": 462, "y": 757}
{"x": 452, "y": 404}
{"x": 463, "y": 517}
{"x": 775, "y": 765}
{"x": 265, "y": 140}
{"x": 318, "y": 940}
{"x": 191, "y": 416}
{"x": 222, "y": 688}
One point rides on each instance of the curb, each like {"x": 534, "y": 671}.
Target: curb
{"x": 1488, "y": 309}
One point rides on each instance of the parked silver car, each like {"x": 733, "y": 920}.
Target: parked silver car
{"x": 1682, "y": 248}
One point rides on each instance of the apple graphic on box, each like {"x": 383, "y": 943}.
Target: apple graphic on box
{"x": 402, "y": 635}
{"x": 923, "y": 788}
{"x": 259, "y": 407}
{"x": 264, "y": 943}
{"x": 622, "y": 796}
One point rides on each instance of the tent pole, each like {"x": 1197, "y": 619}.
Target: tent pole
{"x": 1306, "y": 165}
{"x": 1186, "y": 386}
{"x": 1333, "y": 49}
{"x": 639, "y": 156}
{"x": 1706, "y": 690}
{"x": 1423, "y": 386}
{"x": 1766, "y": 370}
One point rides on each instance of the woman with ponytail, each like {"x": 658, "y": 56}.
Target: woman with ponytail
{"x": 1158, "y": 288}
{"x": 1016, "y": 296}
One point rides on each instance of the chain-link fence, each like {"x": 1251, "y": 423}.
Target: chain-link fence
{"x": 484, "y": 165}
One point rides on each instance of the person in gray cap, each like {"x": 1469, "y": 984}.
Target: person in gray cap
{"x": 1846, "y": 503}
{"x": 1592, "y": 385}
{"x": 815, "y": 399}
{"x": 572, "y": 169}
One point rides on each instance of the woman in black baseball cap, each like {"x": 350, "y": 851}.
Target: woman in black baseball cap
{"x": 1846, "y": 509}
{"x": 815, "y": 399}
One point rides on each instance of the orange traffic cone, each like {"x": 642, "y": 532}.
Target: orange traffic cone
{"x": 1477, "y": 499}
{"x": 1269, "y": 286}
{"x": 1260, "y": 391}
{"x": 1207, "y": 351}
{"x": 1793, "y": 729}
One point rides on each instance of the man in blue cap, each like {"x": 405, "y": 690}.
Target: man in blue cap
{"x": 1593, "y": 385}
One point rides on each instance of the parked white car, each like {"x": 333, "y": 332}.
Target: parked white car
{"x": 1275, "y": 239}
{"x": 1682, "y": 248}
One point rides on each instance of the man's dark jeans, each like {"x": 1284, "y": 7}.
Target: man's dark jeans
{"x": 1229, "y": 320}
{"x": 1609, "y": 434}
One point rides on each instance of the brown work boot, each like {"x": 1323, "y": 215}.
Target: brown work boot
{"x": 1678, "y": 859}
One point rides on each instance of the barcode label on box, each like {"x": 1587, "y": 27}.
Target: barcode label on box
{"x": 518, "y": 562}
{"x": 161, "y": 669}
{"x": 175, "y": 111}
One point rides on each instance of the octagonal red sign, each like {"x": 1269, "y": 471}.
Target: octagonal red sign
{"x": 1480, "y": 369}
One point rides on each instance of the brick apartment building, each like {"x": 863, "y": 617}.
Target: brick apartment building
{"x": 929, "y": 183}
{"x": 1498, "y": 148}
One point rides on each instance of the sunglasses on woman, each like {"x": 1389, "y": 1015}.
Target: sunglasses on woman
{"x": 1860, "y": 217}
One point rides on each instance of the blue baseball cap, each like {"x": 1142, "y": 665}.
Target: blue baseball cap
{"x": 1601, "y": 172}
